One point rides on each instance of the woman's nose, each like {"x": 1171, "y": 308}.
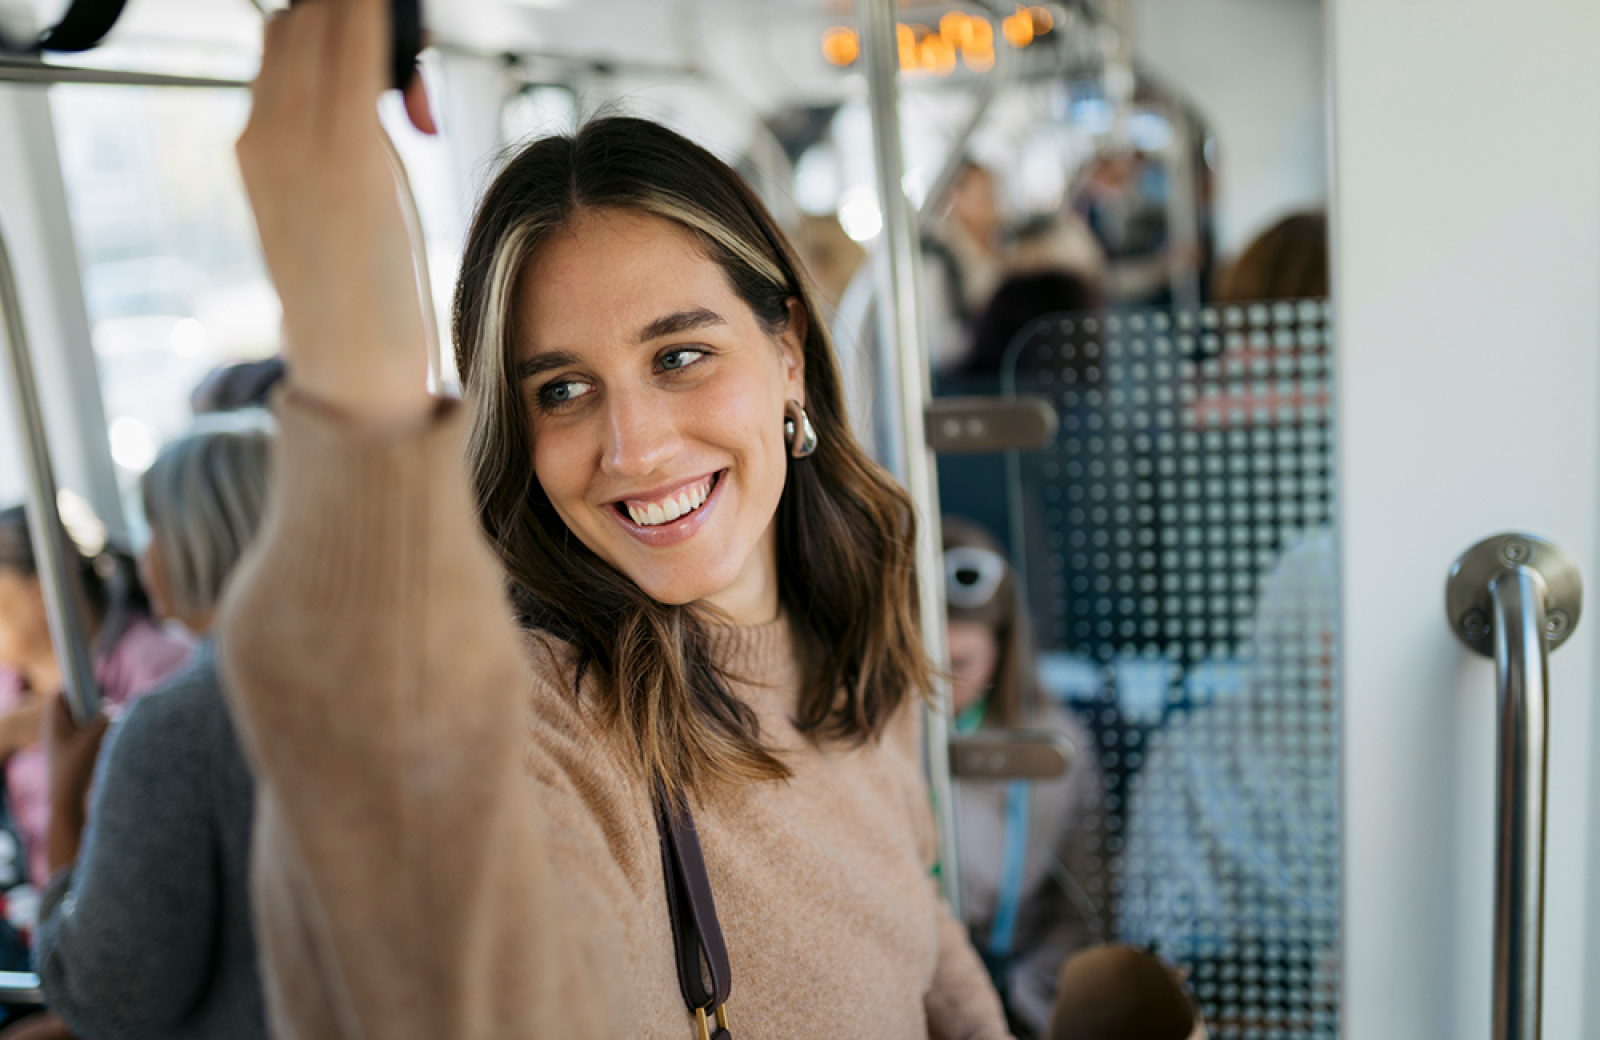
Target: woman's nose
{"x": 641, "y": 434}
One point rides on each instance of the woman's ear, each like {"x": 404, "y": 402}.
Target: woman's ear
{"x": 792, "y": 342}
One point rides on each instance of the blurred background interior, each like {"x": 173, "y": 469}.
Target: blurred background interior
{"x": 1121, "y": 206}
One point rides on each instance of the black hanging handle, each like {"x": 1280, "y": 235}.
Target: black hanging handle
{"x": 86, "y": 23}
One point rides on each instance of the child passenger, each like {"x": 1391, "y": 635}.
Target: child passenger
{"x": 1029, "y": 850}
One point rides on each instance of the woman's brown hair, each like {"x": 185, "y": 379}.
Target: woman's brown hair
{"x": 1013, "y": 696}
{"x": 845, "y": 530}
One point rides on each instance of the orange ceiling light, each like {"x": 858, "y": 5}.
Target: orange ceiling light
{"x": 982, "y": 35}
{"x": 938, "y": 54}
{"x": 936, "y": 51}
{"x": 957, "y": 27}
{"x": 841, "y": 46}
{"x": 906, "y": 39}
{"x": 1018, "y": 28}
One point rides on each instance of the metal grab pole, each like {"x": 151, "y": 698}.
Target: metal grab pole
{"x": 1517, "y": 597}
{"x": 1522, "y": 663}
{"x": 899, "y": 292}
{"x": 60, "y": 583}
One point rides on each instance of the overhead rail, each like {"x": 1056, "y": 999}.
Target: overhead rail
{"x": 16, "y": 69}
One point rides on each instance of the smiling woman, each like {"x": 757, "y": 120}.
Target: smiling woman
{"x": 474, "y": 829}
{"x": 631, "y": 324}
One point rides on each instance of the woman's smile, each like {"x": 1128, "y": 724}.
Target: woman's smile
{"x": 665, "y": 519}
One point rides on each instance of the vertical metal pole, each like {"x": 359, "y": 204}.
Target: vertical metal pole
{"x": 58, "y": 580}
{"x": 898, "y": 292}
{"x": 1522, "y": 661}
{"x": 1183, "y": 211}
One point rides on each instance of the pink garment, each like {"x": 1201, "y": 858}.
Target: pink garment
{"x": 137, "y": 663}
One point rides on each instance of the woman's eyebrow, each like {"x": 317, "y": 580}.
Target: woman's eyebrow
{"x": 670, "y": 325}
{"x": 682, "y": 321}
{"x": 527, "y": 368}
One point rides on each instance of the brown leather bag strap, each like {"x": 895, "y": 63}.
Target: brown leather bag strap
{"x": 696, "y": 933}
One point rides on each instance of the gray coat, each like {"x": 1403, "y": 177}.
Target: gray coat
{"x": 149, "y": 934}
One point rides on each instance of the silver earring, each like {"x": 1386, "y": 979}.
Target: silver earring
{"x": 795, "y": 418}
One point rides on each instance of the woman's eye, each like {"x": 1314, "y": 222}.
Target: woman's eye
{"x": 678, "y": 359}
{"x": 562, "y": 391}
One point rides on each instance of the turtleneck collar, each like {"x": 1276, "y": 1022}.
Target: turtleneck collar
{"x": 759, "y": 653}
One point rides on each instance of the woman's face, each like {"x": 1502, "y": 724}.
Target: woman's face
{"x": 974, "y": 653}
{"x": 24, "y": 628}
{"x": 657, "y": 409}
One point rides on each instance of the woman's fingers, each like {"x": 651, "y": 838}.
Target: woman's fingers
{"x": 360, "y": 40}
{"x": 290, "y": 81}
{"x": 269, "y": 78}
{"x": 417, "y": 108}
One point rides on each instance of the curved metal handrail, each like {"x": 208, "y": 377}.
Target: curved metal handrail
{"x": 1517, "y": 597}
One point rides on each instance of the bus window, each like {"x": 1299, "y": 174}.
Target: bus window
{"x": 173, "y": 280}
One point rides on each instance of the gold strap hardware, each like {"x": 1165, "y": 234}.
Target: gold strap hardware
{"x": 704, "y": 1024}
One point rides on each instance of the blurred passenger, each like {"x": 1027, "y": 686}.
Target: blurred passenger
{"x": 243, "y": 384}
{"x": 130, "y": 651}
{"x": 1021, "y": 300}
{"x": 1028, "y": 849}
{"x": 831, "y": 256}
{"x": 1123, "y": 993}
{"x": 1122, "y": 195}
{"x": 1062, "y": 241}
{"x": 1288, "y": 261}
{"x": 964, "y": 260}
{"x": 147, "y": 933}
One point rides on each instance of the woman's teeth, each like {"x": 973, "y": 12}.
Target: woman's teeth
{"x": 651, "y": 514}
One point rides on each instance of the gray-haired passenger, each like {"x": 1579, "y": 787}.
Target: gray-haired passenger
{"x": 203, "y": 498}
{"x": 147, "y": 931}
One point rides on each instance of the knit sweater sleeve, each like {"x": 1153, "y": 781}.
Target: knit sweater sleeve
{"x": 403, "y": 883}
{"x": 961, "y": 1004}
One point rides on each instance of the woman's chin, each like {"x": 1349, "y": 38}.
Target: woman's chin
{"x": 680, "y": 591}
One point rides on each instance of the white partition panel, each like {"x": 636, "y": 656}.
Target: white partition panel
{"x": 1467, "y": 250}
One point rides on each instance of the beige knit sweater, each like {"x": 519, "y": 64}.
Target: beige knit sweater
{"x": 446, "y": 848}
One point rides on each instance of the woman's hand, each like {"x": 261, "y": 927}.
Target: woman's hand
{"x": 19, "y": 728}
{"x": 317, "y": 170}
{"x": 71, "y": 750}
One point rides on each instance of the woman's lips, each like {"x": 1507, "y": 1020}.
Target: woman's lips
{"x": 673, "y": 531}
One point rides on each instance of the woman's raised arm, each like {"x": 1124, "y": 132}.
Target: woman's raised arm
{"x": 402, "y": 887}
{"x": 317, "y": 170}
